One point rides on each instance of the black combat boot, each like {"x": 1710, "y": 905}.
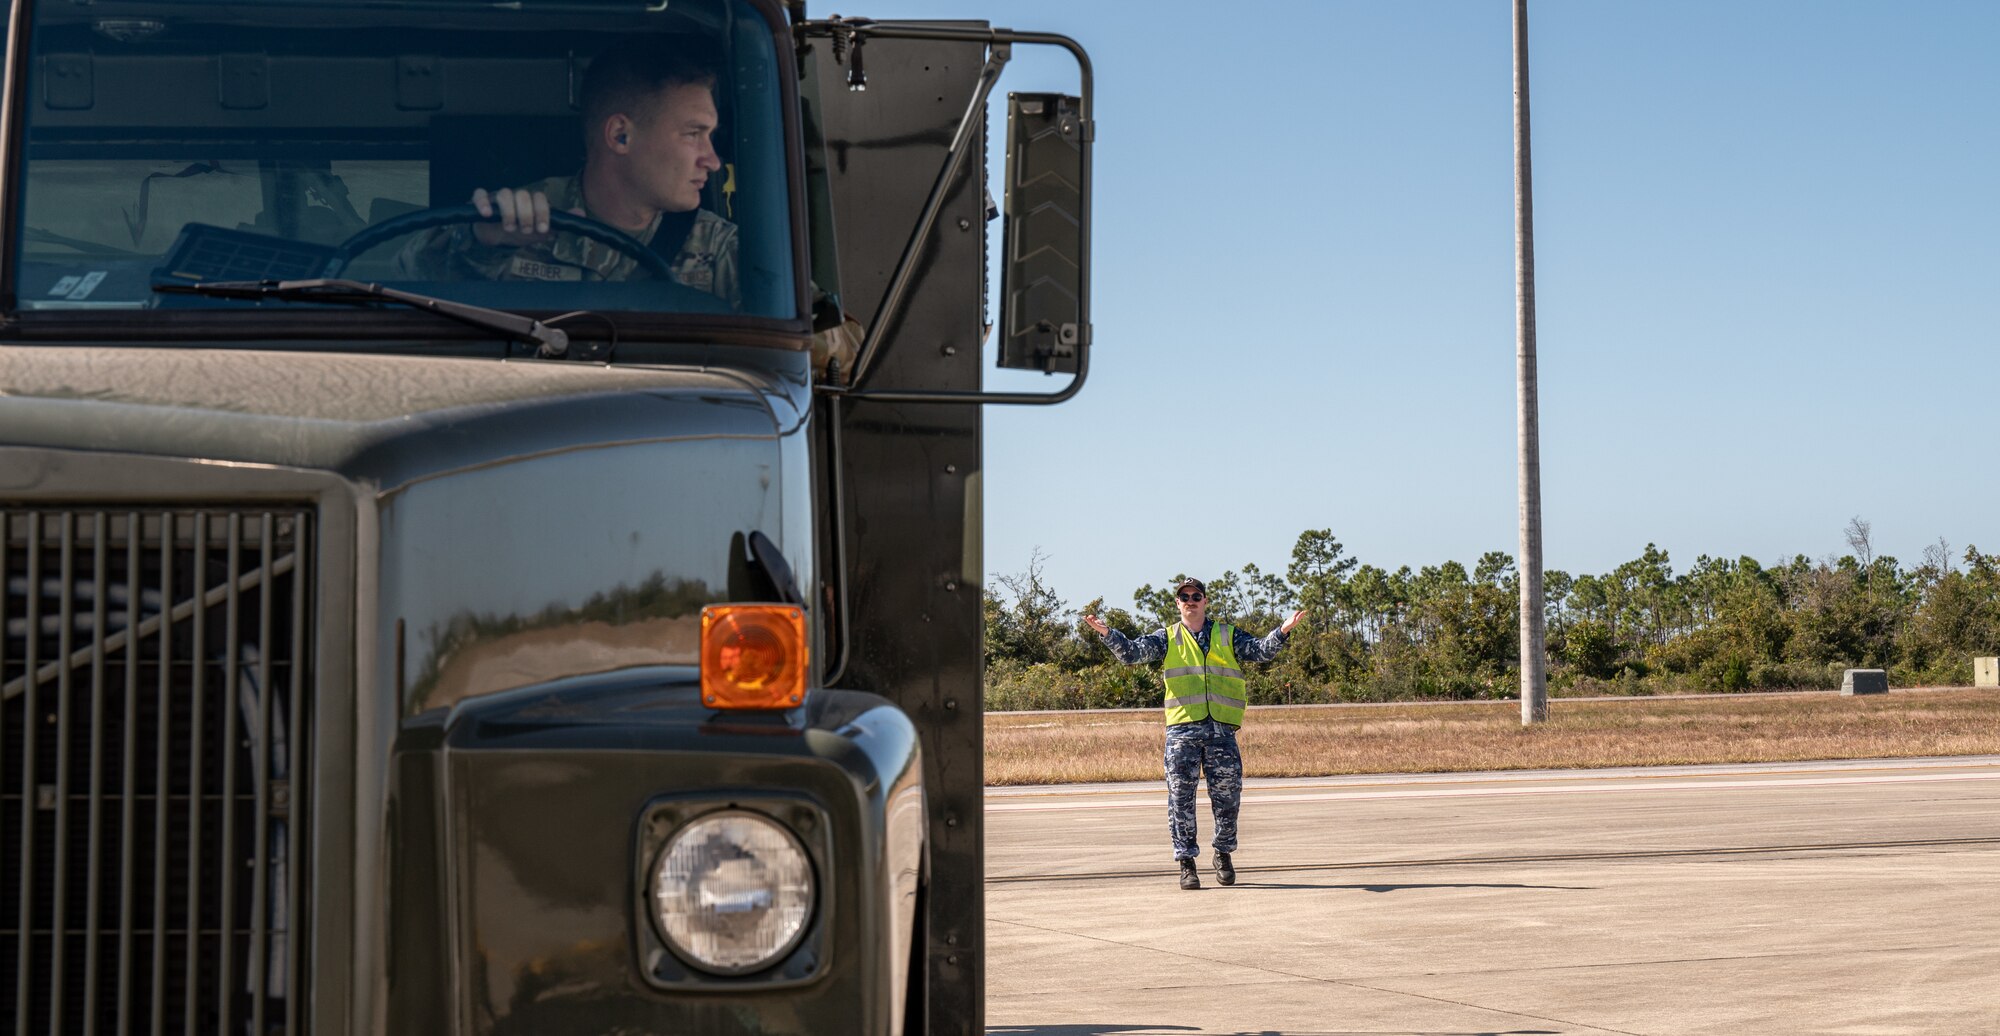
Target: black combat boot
{"x": 1225, "y": 872}
{"x": 1189, "y": 878}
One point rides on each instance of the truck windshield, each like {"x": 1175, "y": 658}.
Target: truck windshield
{"x": 173, "y": 142}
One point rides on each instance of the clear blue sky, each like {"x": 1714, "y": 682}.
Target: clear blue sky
{"x": 1768, "y": 258}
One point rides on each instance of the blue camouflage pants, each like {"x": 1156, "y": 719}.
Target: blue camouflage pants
{"x": 1204, "y": 747}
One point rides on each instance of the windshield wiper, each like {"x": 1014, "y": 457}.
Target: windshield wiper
{"x": 551, "y": 341}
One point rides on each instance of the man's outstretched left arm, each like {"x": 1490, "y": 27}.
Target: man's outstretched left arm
{"x": 1266, "y": 647}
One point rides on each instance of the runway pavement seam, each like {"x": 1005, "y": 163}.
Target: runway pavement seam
{"x": 1623, "y": 786}
{"x": 1647, "y": 773}
{"x": 1550, "y": 968}
{"x": 1317, "y": 979}
{"x": 1636, "y": 854}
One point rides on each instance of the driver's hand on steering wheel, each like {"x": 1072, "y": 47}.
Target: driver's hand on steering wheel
{"x": 524, "y": 217}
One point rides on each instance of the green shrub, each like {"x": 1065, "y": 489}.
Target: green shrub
{"x": 1787, "y": 676}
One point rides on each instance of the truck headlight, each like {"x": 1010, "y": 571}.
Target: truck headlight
{"x": 732, "y": 892}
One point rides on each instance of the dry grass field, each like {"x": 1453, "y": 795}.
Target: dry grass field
{"x": 1046, "y": 748}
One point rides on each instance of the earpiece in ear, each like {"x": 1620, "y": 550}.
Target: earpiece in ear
{"x": 621, "y": 138}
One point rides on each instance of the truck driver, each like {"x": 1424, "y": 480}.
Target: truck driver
{"x": 648, "y": 115}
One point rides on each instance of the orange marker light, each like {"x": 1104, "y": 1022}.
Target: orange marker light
{"x": 753, "y": 656}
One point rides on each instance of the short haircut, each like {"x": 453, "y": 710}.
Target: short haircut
{"x": 629, "y": 79}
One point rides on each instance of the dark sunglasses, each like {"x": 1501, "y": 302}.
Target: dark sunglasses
{"x": 1189, "y": 597}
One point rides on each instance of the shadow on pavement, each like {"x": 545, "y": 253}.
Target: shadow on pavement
{"x": 1406, "y": 888}
{"x": 1086, "y": 1029}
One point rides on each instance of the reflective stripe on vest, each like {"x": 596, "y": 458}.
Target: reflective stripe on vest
{"x": 1203, "y": 686}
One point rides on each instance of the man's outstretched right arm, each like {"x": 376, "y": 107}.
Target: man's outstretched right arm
{"x": 1150, "y": 648}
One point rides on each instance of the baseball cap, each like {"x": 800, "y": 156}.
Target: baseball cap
{"x": 1190, "y": 581}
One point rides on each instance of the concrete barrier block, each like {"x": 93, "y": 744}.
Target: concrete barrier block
{"x": 1986, "y": 672}
{"x": 1864, "y": 681}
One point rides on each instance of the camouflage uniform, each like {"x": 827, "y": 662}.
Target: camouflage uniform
{"x": 707, "y": 260}
{"x": 1206, "y": 746}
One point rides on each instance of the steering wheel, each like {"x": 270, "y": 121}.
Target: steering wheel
{"x": 582, "y": 226}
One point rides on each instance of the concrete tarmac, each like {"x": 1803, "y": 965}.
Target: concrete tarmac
{"x": 1857, "y": 898}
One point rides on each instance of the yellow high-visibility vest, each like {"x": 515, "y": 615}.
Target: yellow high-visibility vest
{"x": 1201, "y": 687}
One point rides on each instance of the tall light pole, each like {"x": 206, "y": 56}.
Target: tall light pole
{"x": 1534, "y": 632}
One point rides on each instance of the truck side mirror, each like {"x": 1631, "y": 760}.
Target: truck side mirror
{"x": 1044, "y": 285}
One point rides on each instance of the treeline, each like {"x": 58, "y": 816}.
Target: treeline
{"x": 1443, "y": 631}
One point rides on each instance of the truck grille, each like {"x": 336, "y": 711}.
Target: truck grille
{"x": 153, "y": 740}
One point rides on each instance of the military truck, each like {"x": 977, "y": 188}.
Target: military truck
{"x": 583, "y": 654}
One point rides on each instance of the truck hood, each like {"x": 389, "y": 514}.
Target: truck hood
{"x": 385, "y": 420}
